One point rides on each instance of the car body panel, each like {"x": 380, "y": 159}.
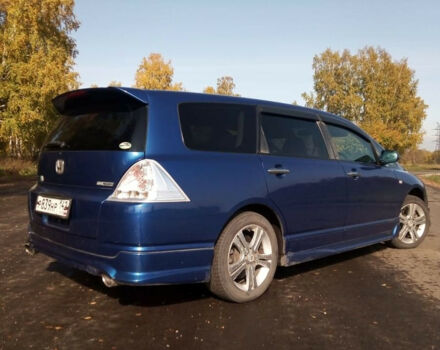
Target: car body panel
{"x": 311, "y": 198}
{"x": 86, "y": 168}
{"x": 374, "y": 200}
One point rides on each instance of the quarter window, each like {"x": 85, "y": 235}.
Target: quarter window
{"x": 350, "y": 146}
{"x": 293, "y": 137}
{"x": 219, "y": 127}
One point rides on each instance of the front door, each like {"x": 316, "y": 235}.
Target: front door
{"x": 306, "y": 185}
{"x": 372, "y": 190}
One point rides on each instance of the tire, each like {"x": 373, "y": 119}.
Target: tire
{"x": 245, "y": 258}
{"x": 414, "y": 223}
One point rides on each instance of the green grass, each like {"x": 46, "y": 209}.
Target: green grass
{"x": 12, "y": 168}
{"x": 421, "y": 167}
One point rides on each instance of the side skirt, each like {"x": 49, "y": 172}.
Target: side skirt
{"x": 293, "y": 258}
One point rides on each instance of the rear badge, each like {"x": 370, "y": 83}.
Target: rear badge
{"x": 105, "y": 183}
{"x": 125, "y": 145}
{"x": 59, "y": 166}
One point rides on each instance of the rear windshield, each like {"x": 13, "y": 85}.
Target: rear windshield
{"x": 218, "y": 127}
{"x": 112, "y": 127}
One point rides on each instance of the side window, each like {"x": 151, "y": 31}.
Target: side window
{"x": 350, "y": 146}
{"x": 218, "y": 127}
{"x": 289, "y": 136}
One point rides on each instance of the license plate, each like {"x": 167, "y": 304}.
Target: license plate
{"x": 53, "y": 206}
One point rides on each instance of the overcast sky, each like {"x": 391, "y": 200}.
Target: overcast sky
{"x": 266, "y": 46}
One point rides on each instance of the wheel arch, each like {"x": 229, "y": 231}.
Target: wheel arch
{"x": 272, "y": 216}
{"x": 418, "y": 192}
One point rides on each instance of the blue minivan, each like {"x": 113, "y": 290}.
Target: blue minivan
{"x": 157, "y": 187}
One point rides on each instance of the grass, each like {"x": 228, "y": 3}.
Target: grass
{"x": 421, "y": 167}
{"x": 12, "y": 168}
{"x": 433, "y": 178}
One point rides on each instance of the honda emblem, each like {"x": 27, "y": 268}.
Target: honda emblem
{"x": 59, "y": 166}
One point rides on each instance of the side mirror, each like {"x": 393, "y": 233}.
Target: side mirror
{"x": 388, "y": 157}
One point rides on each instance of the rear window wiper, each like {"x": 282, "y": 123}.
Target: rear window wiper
{"x": 56, "y": 144}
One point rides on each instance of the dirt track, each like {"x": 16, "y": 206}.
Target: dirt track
{"x": 375, "y": 297}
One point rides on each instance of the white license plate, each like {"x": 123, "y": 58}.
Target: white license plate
{"x": 53, "y": 206}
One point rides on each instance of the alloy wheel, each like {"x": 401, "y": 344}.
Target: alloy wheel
{"x": 250, "y": 257}
{"x": 412, "y": 223}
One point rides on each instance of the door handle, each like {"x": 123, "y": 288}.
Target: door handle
{"x": 278, "y": 171}
{"x": 353, "y": 174}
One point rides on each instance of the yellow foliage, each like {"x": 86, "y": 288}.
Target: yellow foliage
{"x": 225, "y": 86}
{"x": 209, "y": 90}
{"x": 115, "y": 83}
{"x": 36, "y": 65}
{"x": 371, "y": 89}
{"x": 156, "y": 74}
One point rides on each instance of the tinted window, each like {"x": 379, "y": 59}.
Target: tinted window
{"x": 350, "y": 146}
{"x": 292, "y": 137}
{"x": 218, "y": 127}
{"x": 101, "y": 128}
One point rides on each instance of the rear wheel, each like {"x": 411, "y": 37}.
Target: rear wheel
{"x": 245, "y": 258}
{"x": 414, "y": 223}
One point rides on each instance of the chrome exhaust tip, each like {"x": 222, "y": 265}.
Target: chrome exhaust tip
{"x": 30, "y": 249}
{"x": 108, "y": 282}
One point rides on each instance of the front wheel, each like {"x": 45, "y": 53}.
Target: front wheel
{"x": 245, "y": 258}
{"x": 414, "y": 223}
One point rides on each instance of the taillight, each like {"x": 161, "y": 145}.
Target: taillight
{"x": 147, "y": 181}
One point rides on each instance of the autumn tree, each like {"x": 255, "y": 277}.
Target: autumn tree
{"x": 154, "y": 73}
{"x": 417, "y": 156}
{"x": 372, "y": 90}
{"x": 115, "y": 83}
{"x": 225, "y": 86}
{"x": 36, "y": 64}
{"x": 209, "y": 90}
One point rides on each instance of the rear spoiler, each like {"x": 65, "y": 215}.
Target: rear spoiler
{"x": 69, "y": 102}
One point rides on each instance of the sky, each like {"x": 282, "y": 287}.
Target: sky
{"x": 266, "y": 46}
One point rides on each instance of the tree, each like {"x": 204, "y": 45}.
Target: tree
{"x": 416, "y": 156}
{"x": 372, "y": 90}
{"x": 156, "y": 74}
{"x": 435, "y": 157}
{"x": 115, "y": 83}
{"x": 36, "y": 64}
{"x": 225, "y": 86}
{"x": 209, "y": 90}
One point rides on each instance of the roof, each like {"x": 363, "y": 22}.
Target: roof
{"x": 64, "y": 101}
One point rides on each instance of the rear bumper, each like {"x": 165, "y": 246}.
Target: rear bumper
{"x": 138, "y": 265}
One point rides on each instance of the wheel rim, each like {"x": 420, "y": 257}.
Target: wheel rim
{"x": 250, "y": 257}
{"x": 412, "y": 223}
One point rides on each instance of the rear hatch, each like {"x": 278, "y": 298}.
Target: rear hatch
{"x": 99, "y": 135}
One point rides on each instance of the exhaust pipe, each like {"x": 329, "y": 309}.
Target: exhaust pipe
{"x": 30, "y": 249}
{"x": 108, "y": 282}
